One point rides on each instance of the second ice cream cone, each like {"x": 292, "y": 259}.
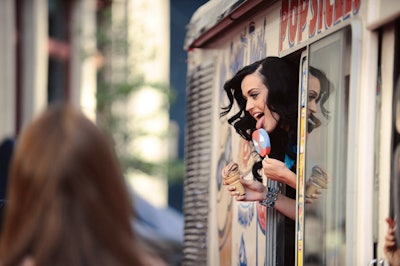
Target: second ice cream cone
{"x": 318, "y": 180}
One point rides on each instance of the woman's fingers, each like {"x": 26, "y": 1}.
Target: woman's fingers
{"x": 234, "y": 193}
{"x": 390, "y": 222}
{"x": 309, "y": 200}
{"x": 231, "y": 188}
{"x": 240, "y": 197}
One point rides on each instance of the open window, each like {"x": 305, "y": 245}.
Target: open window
{"x": 324, "y": 127}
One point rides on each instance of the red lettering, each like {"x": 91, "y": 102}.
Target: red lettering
{"x": 284, "y": 23}
{"x": 303, "y": 12}
{"x": 320, "y": 14}
{"x": 293, "y": 21}
{"x": 338, "y": 11}
{"x": 328, "y": 14}
{"x": 356, "y": 7}
{"x": 314, "y": 17}
{"x": 347, "y": 9}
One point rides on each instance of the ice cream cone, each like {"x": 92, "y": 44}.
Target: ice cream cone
{"x": 231, "y": 177}
{"x": 318, "y": 180}
{"x": 239, "y": 187}
{"x": 312, "y": 188}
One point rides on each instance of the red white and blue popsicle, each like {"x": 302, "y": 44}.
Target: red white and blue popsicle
{"x": 261, "y": 142}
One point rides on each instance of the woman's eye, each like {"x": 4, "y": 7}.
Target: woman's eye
{"x": 254, "y": 95}
{"x": 312, "y": 96}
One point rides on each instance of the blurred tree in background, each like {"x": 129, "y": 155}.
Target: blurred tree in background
{"x": 117, "y": 81}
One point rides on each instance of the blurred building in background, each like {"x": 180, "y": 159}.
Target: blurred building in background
{"x": 78, "y": 50}
{"x": 121, "y": 62}
{"x": 53, "y": 50}
{"x": 41, "y": 58}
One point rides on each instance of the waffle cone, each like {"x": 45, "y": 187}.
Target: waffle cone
{"x": 239, "y": 187}
{"x": 312, "y": 189}
{"x": 318, "y": 180}
{"x": 231, "y": 177}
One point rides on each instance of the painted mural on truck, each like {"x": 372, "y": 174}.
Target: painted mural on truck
{"x": 241, "y": 226}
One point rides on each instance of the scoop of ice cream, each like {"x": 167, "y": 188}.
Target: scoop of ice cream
{"x": 319, "y": 177}
{"x": 231, "y": 169}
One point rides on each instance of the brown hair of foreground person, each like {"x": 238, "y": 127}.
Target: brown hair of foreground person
{"x": 67, "y": 200}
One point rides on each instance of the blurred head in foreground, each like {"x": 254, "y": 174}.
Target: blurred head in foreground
{"x": 67, "y": 200}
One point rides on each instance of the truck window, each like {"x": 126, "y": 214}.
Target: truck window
{"x": 326, "y": 150}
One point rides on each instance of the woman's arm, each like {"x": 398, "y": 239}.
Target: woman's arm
{"x": 256, "y": 191}
{"x": 286, "y": 206}
{"x": 278, "y": 171}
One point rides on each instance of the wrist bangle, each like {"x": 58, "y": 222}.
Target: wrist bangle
{"x": 270, "y": 197}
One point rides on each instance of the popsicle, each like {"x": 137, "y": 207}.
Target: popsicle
{"x": 261, "y": 142}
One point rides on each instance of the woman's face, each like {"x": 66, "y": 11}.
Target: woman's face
{"x": 314, "y": 89}
{"x": 256, "y": 94}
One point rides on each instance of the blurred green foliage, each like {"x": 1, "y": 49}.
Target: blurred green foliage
{"x": 115, "y": 84}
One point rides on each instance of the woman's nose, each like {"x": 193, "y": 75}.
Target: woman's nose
{"x": 312, "y": 107}
{"x": 249, "y": 105}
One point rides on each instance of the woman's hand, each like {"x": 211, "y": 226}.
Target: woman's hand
{"x": 392, "y": 252}
{"x": 277, "y": 171}
{"x": 254, "y": 190}
{"x": 314, "y": 196}
{"x": 310, "y": 199}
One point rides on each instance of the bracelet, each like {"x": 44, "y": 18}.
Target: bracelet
{"x": 270, "y": 197}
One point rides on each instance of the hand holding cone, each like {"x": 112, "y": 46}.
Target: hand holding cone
{"x": 231, "y": 177}
{"x": 318, "y": 180}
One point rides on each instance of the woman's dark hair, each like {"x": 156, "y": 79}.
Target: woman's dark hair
{"x": 326, "y": 90}
{"x": 281, "y": 79}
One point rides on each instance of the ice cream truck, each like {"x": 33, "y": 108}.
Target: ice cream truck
{"x": 356, "y": 44}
